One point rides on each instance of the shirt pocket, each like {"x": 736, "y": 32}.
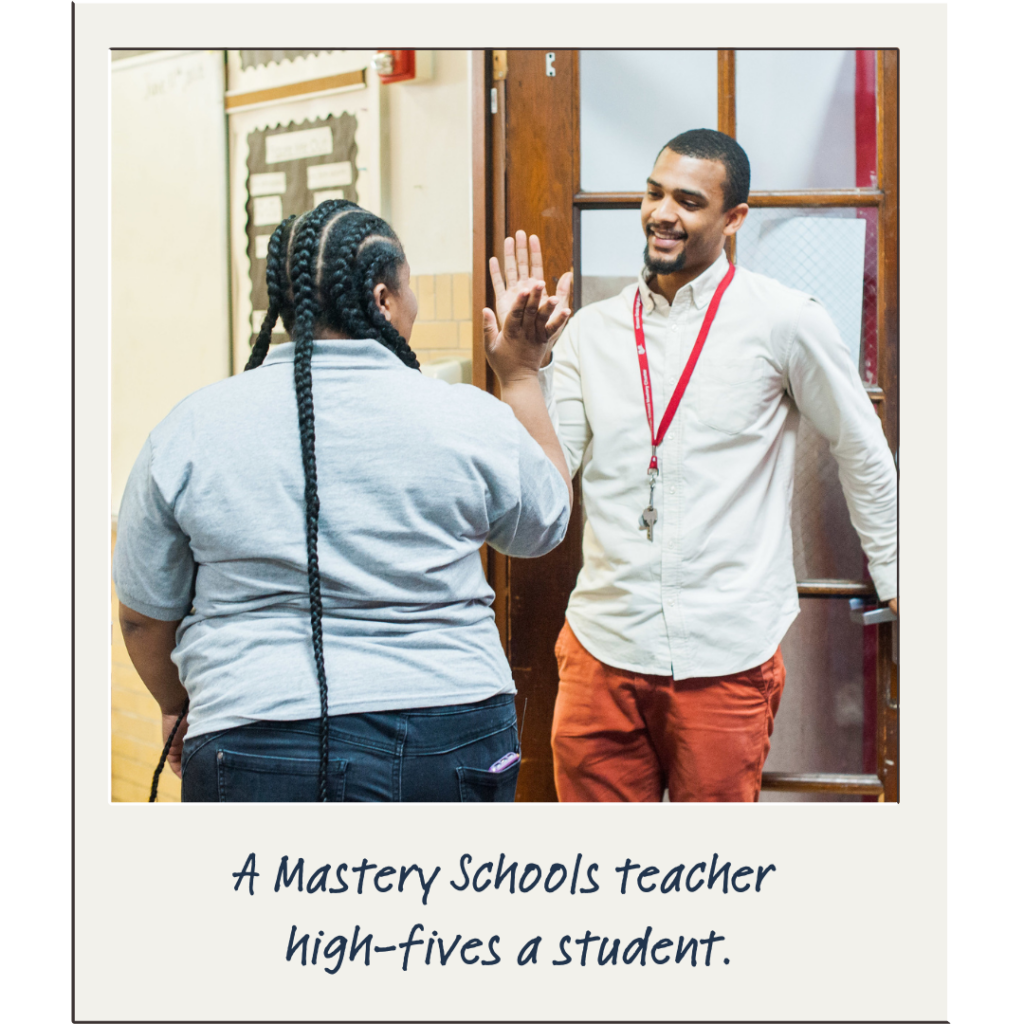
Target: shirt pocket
{"x": 731, "y": 394}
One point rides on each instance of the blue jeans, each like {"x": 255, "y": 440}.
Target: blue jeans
{"x": 424, "y": 754}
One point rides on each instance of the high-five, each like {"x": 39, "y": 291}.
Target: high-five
{"x": 524, "y": 265}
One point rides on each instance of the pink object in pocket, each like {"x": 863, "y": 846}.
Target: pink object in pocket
{"x": 504, "y": 762}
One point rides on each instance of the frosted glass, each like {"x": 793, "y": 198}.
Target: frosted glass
{"x": 611, "y": 252}
{"x": 818, "y": 252}
{"x": 795, "y": 117}
{"x": 611, "y": 242}
{"x": 632, "y": 102}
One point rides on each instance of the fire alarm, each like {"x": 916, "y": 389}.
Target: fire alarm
{"x": 404, "y": 66}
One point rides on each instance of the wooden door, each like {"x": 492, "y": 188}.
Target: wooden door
{"x": 527, "y": 175}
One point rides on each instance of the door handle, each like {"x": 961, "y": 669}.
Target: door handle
{"x": 861, "y": 613}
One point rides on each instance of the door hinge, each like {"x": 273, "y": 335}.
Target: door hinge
{"x": 499, "y": 65}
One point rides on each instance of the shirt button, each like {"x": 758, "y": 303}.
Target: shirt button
{"x": 669, "y": 436}
{"x": 672, "y": 490}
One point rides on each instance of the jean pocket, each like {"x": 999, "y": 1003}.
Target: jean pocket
{"x": 477, "y": 785}
{"x": 257, "y": 778}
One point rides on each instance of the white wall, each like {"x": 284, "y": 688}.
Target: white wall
{"x": 170, "y": 329}
{"x": 431, "y": 169}
{"x": 170, "y": 271}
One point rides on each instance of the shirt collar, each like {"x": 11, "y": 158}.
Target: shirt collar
{"x": 697, "y": 294}
{"x": 346, "y": 353}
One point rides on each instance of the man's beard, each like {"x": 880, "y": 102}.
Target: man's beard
{"x": 659, "y": 266}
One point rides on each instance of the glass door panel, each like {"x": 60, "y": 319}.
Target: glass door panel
{"x": 824, "y": 719}
{"x": 632, "y": 102}
{"x": 611, "y": 252}
{"x": 795, "y": 117}
{"x": 820, "y": 252}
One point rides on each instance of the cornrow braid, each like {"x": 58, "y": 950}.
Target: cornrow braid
{"x": 274, "y": 290}
{"x": 363, "y": 252}
{"x": 387, "y": 335}
{"x": 305, "y": 305}
{"x": 322, "y": 269}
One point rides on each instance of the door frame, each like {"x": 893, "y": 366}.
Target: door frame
{"x": 511, "y": 97}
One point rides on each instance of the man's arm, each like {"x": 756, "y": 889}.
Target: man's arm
{"x": 827, "y": 389}
{"x": 150, "y": 643}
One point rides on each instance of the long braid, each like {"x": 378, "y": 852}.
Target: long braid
{"x": 321, "y": 272}
{"x": 302, "y": 335}
{"x": 274, "y": 290}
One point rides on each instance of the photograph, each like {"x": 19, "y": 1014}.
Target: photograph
{"x": 494, "y": 425}
{"x": 551, "y": 413}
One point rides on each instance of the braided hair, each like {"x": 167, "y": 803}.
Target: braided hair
{"x": 322, "y": 269}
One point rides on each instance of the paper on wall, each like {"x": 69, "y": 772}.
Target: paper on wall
{"x": 335, "y": 175}
{"x": 262, "y": 241}
{"x": 299, "y": 145}
{"x": 267, "y": 210}
{"x": 268, "y": 184}
{"x": 328, "y": 193}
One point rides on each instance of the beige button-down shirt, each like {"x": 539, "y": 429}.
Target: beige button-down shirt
{"x": 715, "y": 592}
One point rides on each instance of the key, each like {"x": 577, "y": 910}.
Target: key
{"x": 648, "y": 518}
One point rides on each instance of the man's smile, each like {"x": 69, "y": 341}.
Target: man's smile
{"x": 662, "y": 240}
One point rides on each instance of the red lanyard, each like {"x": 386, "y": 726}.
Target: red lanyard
{"x": 684, "y": 380}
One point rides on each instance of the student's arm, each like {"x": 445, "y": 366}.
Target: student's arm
{"x": 515, "y": 354}
{"x": 154, "y": 573}
{"x": 150, "y": 642}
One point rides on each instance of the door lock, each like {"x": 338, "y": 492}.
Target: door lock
{"x": 549, "y": 64}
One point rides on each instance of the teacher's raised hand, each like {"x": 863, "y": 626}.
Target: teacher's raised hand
{"x": 524, "y": 265}
{"x": 515, "y": 354}
{"x": 518, "y": 347}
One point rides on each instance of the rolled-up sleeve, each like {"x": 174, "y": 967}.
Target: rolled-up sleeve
{"x": 827, "y": 389}
{"x": 153, "y": 566}
{"x": 536, "y": 520}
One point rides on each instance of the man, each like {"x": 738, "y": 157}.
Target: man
{"x": 670, "y": 671}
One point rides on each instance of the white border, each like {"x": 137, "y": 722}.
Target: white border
{"x": 841, "y": 858}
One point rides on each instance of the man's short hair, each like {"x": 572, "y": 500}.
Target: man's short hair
{"x": 706, "y": 144}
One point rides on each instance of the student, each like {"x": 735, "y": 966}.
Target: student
{"x": 670, "y": 672}
{"x": 310, "y": 586}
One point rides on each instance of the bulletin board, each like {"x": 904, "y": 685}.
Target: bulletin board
{"x": 302, "y": 129}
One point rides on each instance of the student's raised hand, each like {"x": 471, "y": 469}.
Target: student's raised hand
{"x": 524, "y": 265}
{"x": 518, "y": 348}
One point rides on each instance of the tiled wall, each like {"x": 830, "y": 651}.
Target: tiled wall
{"x": 135, "y": 738}
{"x": 444, "y": 325}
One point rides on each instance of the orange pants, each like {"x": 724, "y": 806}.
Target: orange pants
{"x": 619, "y": 735}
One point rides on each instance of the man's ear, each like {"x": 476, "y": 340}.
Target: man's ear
{"x": 382, "y": 297}
{"x": 735, "y": 217}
